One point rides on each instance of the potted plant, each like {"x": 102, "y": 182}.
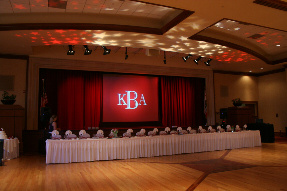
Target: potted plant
{"x": 8, "y": 99}
{"x": 237, "y": 102}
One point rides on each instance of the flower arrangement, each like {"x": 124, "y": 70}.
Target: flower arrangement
{"x": 130, "y": 131}
{"x": 115, "y": 132}
{"x": 245, "y": 127}
{"x": 55, "y": 132}
{"x": 68, "y": 132}
{"x": 82, "y": 132}
{"x": 6, "y": 96}
{"x": 237, "y": 102}
{"x": 141, "y": 133}
{"x": 8, "y": 99}
{"x": 100, "y": 132}
{"x": 209, "y": 128}
{"x": 167, "y": 129}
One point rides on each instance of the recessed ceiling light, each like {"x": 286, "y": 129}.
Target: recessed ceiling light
{"x": 277, "y": 44}
{"x": 261, "y": 68}
{"x": 250, "y": 71}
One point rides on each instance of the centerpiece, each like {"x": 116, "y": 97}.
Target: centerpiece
{"x": 8, "y": 99}
{"x": 237, "y": 102}
{"x": 115, "y": 132}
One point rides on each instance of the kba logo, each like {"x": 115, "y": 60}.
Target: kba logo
{"x": 131, "y": 96}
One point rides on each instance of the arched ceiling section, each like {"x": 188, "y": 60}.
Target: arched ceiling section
{"x": 268, "y": 44}
{"x": 113, "y": 15}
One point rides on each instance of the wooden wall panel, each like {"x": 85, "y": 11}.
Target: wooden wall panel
{"x": 12, "y": 120}
{"x": 239, "y": 116}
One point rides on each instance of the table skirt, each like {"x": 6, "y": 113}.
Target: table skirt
{"x": 11, "y": 148}
{"x": 67, "y": 151}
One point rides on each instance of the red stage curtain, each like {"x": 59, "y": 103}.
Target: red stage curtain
{"x": 182, "y": 101}
{"x": 70, "y": 100}
{"x": 75, "y": 97}
{"x": 93, "y": 99}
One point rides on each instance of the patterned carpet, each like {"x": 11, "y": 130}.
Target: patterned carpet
{"x": 214, "y": 166}
{"x": 217, "y": 165}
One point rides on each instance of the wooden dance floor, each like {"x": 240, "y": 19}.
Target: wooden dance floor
{"x": 257, "y": 168}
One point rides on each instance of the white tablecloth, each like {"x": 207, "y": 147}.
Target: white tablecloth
{"x": 11, "y": 148}
{"x": 67, "y": 151}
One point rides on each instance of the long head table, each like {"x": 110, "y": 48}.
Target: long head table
{"x": 67, "y": 151}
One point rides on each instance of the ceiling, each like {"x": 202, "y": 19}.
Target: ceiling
{"x": 239, "y": 35}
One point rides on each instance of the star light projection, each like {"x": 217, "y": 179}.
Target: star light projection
{"x": 125, "y": 39}
{"x": 119, "y": 7}
{"x": 55, "y": 37}
{"x": 175, "y": 40}
{"x": 57, "y": 4}
{"x": 266, "y": 38}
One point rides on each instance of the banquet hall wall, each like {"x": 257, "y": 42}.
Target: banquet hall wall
{"x": 228, "y": 87}
{"x": 272, "y": 95}
{"x": 7, "y": 68}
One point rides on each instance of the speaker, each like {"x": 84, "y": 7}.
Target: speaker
{"x": 1, "y": 151}
{"x": 223, "y": 113}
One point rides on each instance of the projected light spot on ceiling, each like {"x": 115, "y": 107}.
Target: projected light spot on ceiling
{"x": 170, "y": 42}
{"x": 20, "y": 6}
{"x": 57, "y": 4}
{"x": 258, "y": 41}
{"x": 254, "y": 34}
